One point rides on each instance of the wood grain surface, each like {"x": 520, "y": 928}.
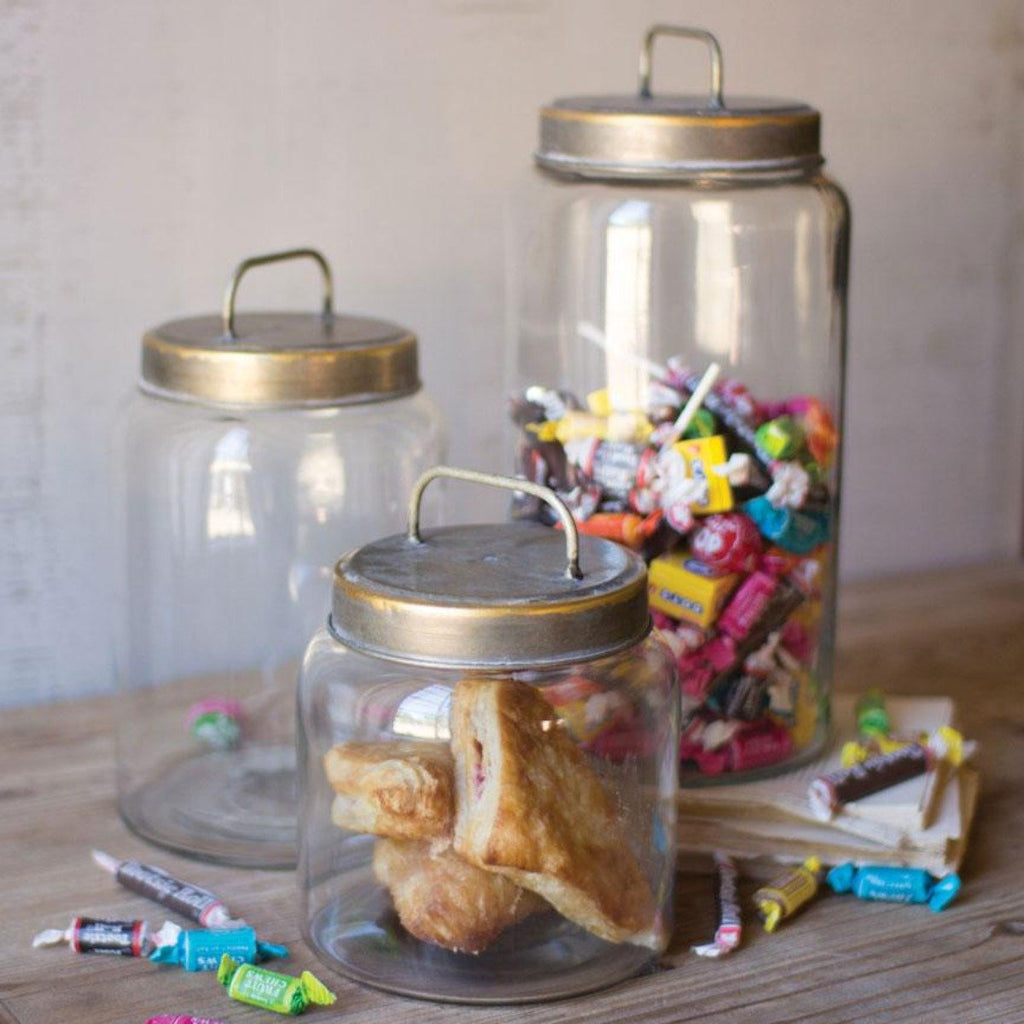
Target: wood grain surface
{"x": 959, "y": 632}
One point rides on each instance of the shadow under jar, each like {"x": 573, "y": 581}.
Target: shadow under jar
{"x": 255, "y": 446}
{"x": 488, "y": 734}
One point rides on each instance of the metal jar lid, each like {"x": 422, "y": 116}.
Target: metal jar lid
{"x": 279, "y": 359}
{"x": 669, "y": 137}
{"x": 498, "y": 596}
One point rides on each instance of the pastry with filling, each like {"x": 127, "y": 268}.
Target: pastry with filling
{"x": 400, "y": 789}
{"x": 442, "y": 899}
{"x": 530, "y": 807}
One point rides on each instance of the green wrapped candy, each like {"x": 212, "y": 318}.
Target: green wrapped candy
{"x": 270, "y": 990}
{"x": 780, "y": 438}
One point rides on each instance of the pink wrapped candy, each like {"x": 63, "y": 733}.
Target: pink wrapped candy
{"x": 727, "y": 541}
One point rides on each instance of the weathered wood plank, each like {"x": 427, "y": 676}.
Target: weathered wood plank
{"x": 841, "y": 960}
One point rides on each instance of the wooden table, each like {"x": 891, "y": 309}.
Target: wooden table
{"x": 958, "y": 632}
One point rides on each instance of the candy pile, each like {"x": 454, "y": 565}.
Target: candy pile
{"x": 728, "y": 499}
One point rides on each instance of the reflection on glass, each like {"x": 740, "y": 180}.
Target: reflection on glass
{"x": 718, "y": 305}
{"x": 627, "y": 304}
{"x": 229, "y": 507}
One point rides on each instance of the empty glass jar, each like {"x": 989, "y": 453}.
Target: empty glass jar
{"x": 679, "y": 269}
{"x": 488, "y": 733}
{"x": 256, "y": 446}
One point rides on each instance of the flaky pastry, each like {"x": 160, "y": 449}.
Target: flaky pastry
{"x": 400, "y": 789}
{"x": 528, "y": 805}
{"x": 443, "y": 899}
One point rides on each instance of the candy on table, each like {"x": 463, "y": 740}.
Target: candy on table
{"x": 94, "y": 935}
{"x": 190, "y": 901}
{"x": 178, "y": 1018}
{"x": 786, "y": 895}
{"x": 216, "y": 722}
{"x": 269, "y": 990}
{"x": 729, "y": 929}
{"x": 827, "y": 793}
{"x": 872, "y": 718}
{"x": 894, "y": 884}
{"x": 202, "y": 950}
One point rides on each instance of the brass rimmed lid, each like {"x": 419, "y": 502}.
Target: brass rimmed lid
{"x": 495, "y": 596}
{"x": 667, "y": 137}
{"x": 282, "y": 358}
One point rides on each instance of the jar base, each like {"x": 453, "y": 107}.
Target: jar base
{"x": 358, "y": 935}
{"x": 235, "y": 808}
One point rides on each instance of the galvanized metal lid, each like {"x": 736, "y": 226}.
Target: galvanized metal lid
{"x": 496, "y": 596}
{"x": 280, "y": 359}
{"x": 669, "y": 137}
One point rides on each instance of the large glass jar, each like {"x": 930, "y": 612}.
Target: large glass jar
{"x": 488, "y": 730}
{"x": 678, "y": 279}
{"x": 255, "y": 446}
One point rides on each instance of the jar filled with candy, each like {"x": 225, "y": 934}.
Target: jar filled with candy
{"x": 676, "y": 371}
{"x": 255, "y": 446}
{"x": 488, "y": 731}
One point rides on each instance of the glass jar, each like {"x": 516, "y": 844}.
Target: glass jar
{"x": 678, "y": 275}
{"x": 488, "y": 728}
{"x": 255, "y": 445}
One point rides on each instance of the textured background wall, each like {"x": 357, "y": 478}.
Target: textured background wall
{"x": 147, "y": 146}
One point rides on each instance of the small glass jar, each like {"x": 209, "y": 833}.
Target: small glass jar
{"x": 488, "y": 730}
{"x": 678, "y": 300}
{"x": 255, "y": 445}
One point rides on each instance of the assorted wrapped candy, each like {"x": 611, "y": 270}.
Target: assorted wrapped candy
{"x": 728, "y": 499}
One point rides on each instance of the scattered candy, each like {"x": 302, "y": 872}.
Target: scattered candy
{"x": 217, "y": 723}
{"x": 93, "y": 935}
{"x": 783, "y": 897}
{"x": 895, "y": 885}
{"x": 188, "y": 900}
{"x": 872, "y": 718}
{"x": 827, "y": 793}
{"x": 202, "y": 950}
{"x": 271, "y": 991}
{"x": 179, "y": 1019}
{"x": 729, "y": 930}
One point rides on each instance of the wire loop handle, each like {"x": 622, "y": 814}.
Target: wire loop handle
{"x": 508, "y": 483}
{"x": 228, "y": 306}
{"x": 715, "y": 98}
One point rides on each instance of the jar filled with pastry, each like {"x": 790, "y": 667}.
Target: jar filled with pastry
{"x": 488, "y": 738}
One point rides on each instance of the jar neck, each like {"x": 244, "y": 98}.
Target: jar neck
{"x": 696, "y": 178}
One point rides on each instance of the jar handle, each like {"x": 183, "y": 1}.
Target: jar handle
{"x": 508, "y": 483}
{"x": 715, "y": 98}
{"x": 228, "y": 307}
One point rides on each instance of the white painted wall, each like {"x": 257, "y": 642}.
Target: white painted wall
{"x": 147, "y": 146}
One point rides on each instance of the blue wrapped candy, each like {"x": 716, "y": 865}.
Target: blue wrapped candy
{"x": 798, "y": 532}
{"x": 201, "y": 950}
{"x": 895, "y": 885}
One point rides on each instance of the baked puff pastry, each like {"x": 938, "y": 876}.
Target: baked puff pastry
{"x": 399, "y": 789}
{"x": 530, "y": 807}
{"x": 442, "y": 899}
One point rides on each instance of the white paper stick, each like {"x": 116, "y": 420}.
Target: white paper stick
{"x": 694, "y": 403}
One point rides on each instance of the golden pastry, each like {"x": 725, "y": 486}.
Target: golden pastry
{"x": 528, "y": 805}
{"x": 441, "y": 898}
{"x": 401, "y": 789}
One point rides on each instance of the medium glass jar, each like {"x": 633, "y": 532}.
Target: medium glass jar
{"x": 488, "y": 730}
{"x": 678, "y": 271}
{"x": 255, "y": 445}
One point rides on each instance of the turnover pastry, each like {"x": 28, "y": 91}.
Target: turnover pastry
{"x": 442, "y": 899}
{"x": 530, "y": 807}
{"x": 400, "y": 789}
